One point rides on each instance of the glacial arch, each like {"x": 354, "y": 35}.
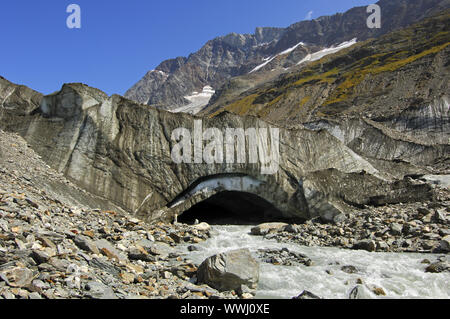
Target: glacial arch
{"x": 238, "y": 196}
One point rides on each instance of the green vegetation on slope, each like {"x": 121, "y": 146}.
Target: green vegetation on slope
{"x": 344, "y": 75}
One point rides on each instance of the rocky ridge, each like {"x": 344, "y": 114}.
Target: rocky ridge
{"x": 391, "y": 80}
{"x": 238, "y": 54}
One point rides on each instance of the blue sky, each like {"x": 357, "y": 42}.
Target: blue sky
{"x": 119, "y": 41}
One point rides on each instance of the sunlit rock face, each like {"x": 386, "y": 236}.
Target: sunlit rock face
{"x": 121, "y": 151}
{"x": 270, "y": 51}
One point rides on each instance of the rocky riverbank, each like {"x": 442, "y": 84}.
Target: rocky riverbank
{"x": 414, "y": 227}
{"x": 48, "y": 250}
{"x": 51, "y": 250}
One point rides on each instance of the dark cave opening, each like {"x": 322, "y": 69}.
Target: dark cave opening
{"x": 233, "y": 208}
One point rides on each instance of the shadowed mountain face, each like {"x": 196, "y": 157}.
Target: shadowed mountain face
{"x": 269, "y": 50}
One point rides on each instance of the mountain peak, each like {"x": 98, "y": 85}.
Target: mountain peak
{"x": 235, "y": 54}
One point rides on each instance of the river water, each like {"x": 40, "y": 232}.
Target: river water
{"x": 401, "y": 275}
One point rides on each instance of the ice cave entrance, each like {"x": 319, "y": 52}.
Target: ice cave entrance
{"x": 232, "y": 208}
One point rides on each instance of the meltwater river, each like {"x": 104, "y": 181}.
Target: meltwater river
{"x": 401, "y": 275}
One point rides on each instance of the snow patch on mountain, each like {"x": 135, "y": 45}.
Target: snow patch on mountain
{"x": 198, "y": 101}
{"x": 290, "y": 49}
{"x": 270, "y": 59}
{"x": 320, "y": 54}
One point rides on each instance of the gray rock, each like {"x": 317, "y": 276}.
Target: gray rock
{"x": 17, "y": 277}
{"x": 98, "y": 290}
{"x": 146, "y": 244}
{"x": 349, "y": 269}
{"x": 339, "y": 218}
{"x": 86, "y": 244}
{"x": 367, "y": 245}
{"x": 59, "y": 264}
{"x": 137, "y": 254}
{"x": 161, "y": 249}
{"x": 47, "y": 242}
{"x": 396, "y": 229}
{"x": 39, "y": 285}
{"x": 111, "y": 250}
{"x": 202, "y": 227}
{"x": 444, "y": 232}
{"x": 193, "y": 248}
{"x": 382, "y": 246}
{"x": 34, "y": 296}
{"x": 293, "y": 229}
{"x": 202, "y": 289}
{"x": 8, "y": 295}
{"x": 438, "y": 267}
{"x": 228, "y": 271}
{"x": 244, "y": 290}
{"x": 444, "y": 245}
{"x": 104, "y": 266}
{"x": 40, "y": 256}
{"x": 332, "y": 216}
{"x": 440, "y": 216}
{"x": 283, "y": 257}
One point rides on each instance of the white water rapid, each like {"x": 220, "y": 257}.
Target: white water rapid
{"x": 399, "y": 275}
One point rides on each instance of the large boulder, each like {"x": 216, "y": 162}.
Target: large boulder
{"x": 230, "y": 270}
